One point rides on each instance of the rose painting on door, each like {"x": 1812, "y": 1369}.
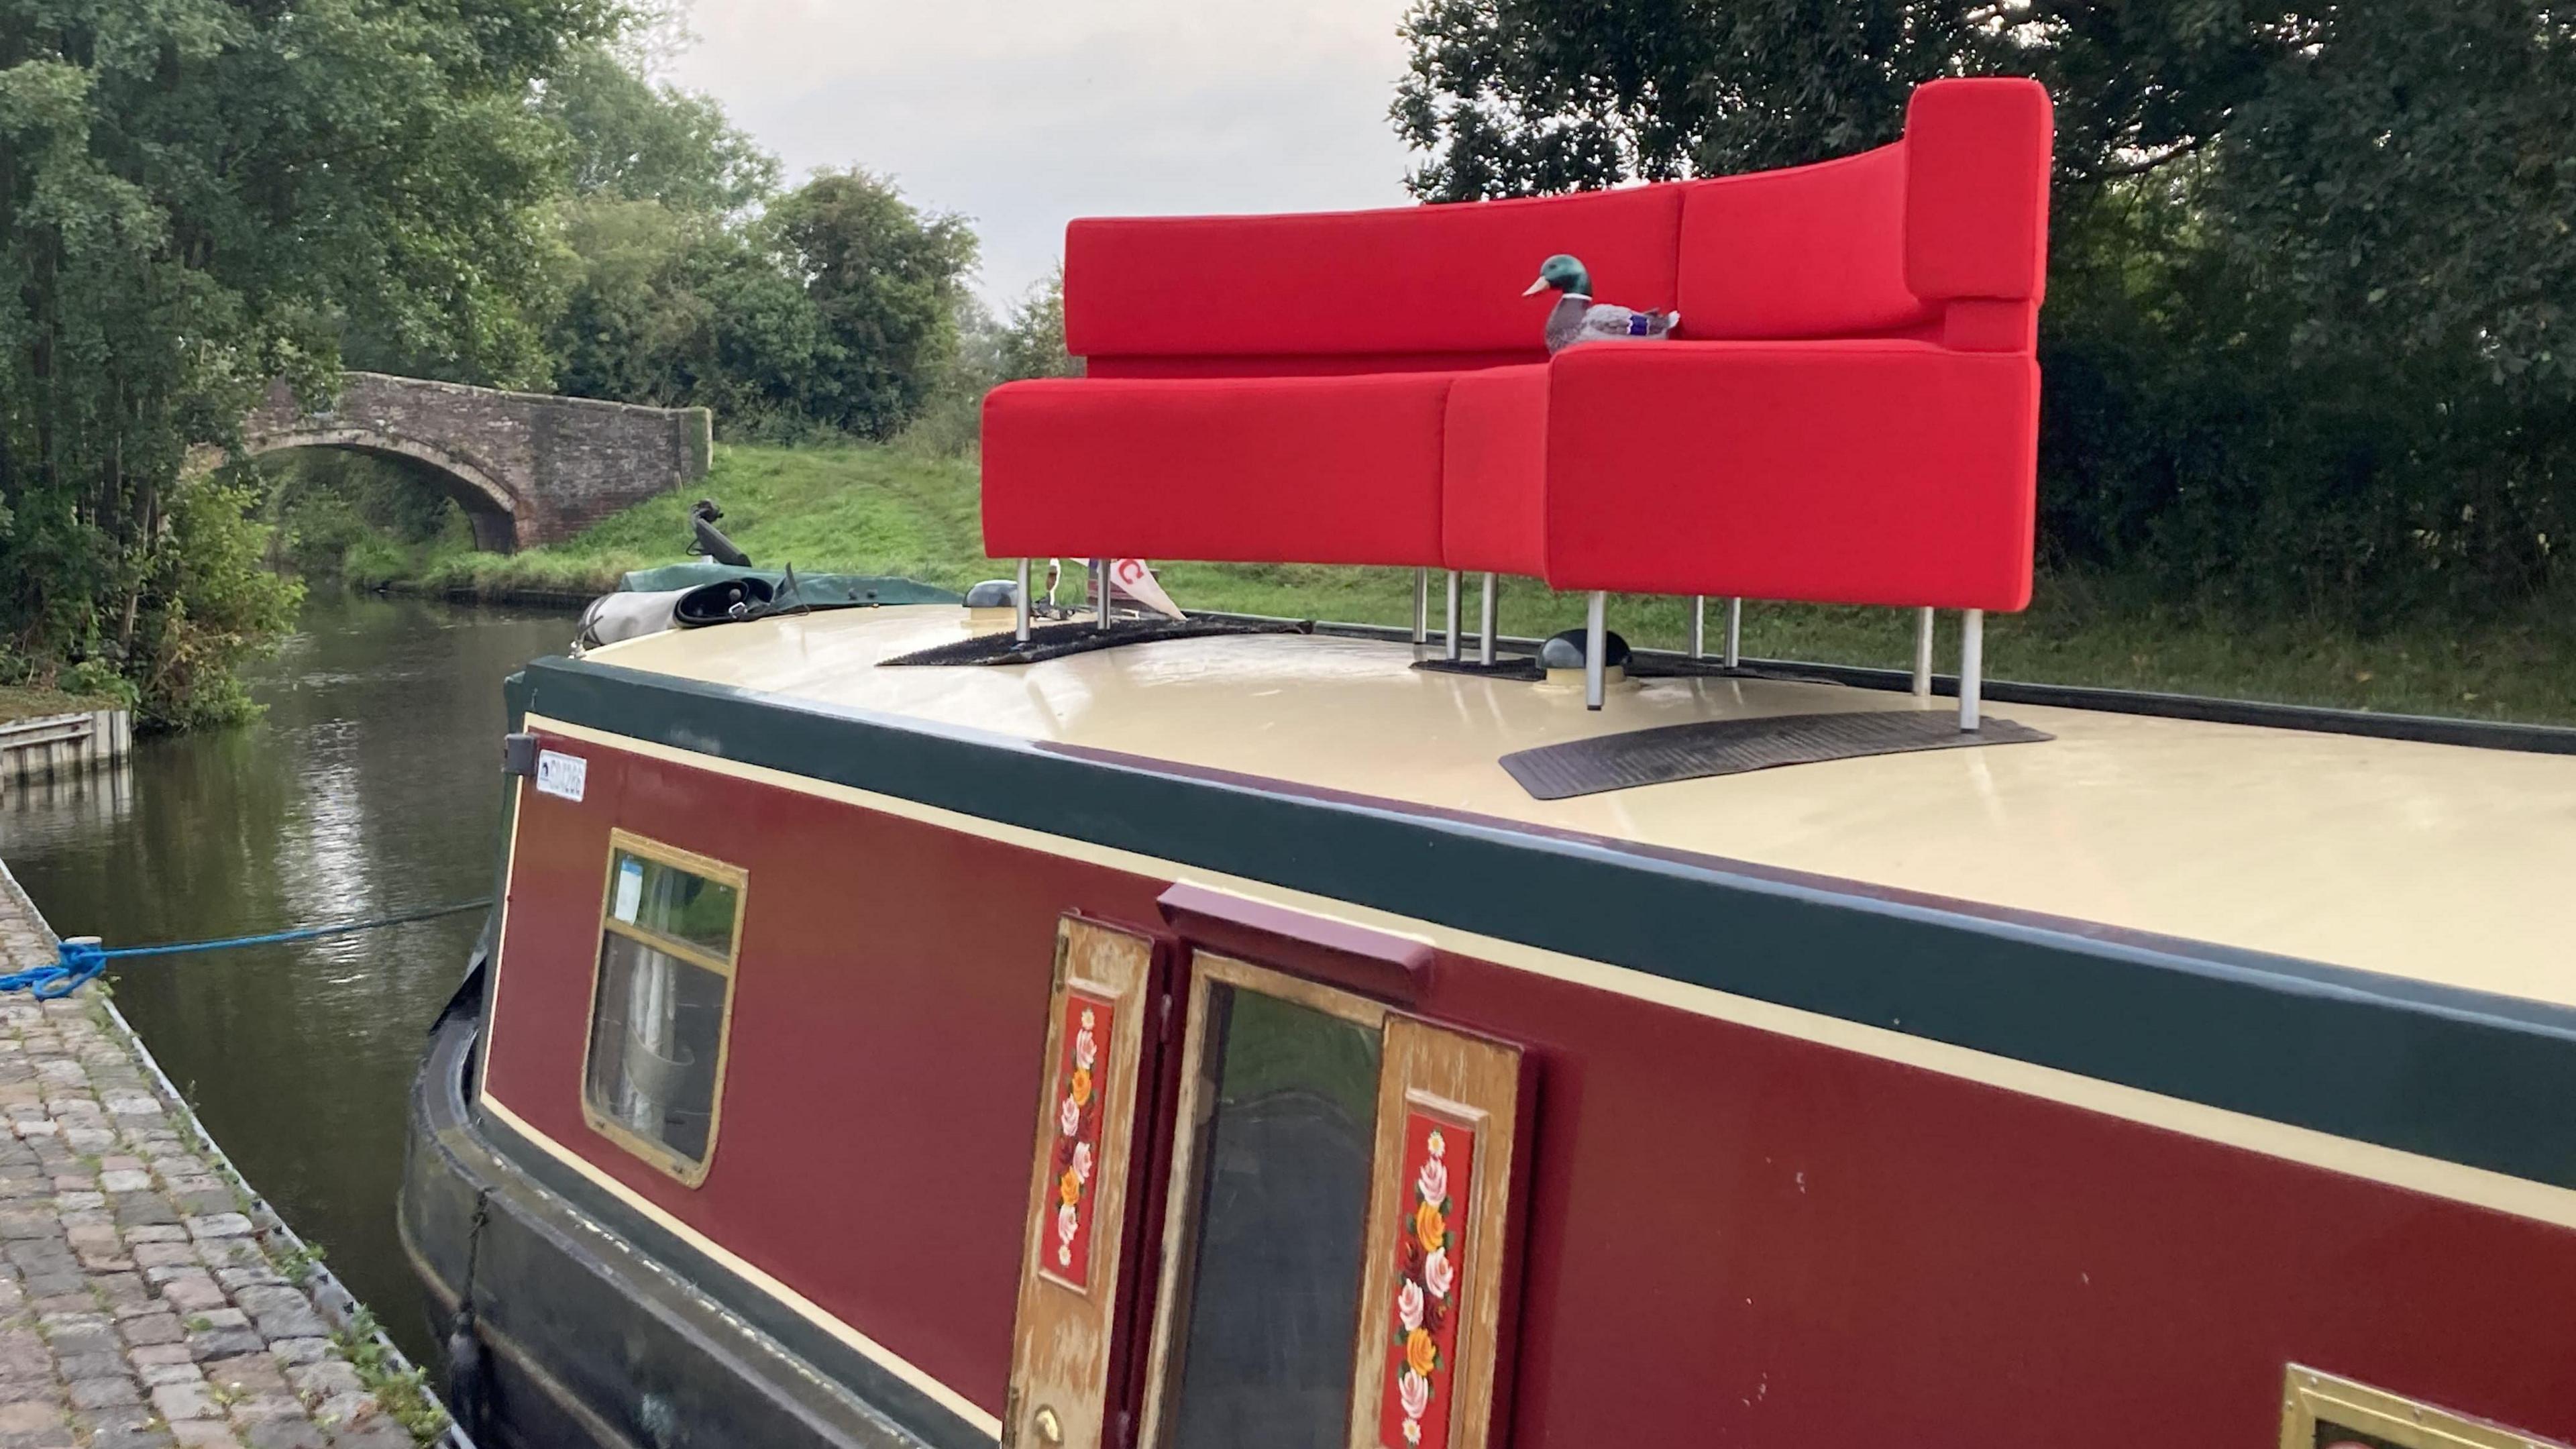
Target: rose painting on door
{"x": 1081, "y": 1079}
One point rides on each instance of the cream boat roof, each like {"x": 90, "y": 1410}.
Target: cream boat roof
{"x": 2438, "y": 862}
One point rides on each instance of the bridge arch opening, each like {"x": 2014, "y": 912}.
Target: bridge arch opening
{"x": 489, "y": 508}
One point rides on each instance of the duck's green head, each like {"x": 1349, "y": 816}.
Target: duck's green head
{"x": 1563, "y": 273}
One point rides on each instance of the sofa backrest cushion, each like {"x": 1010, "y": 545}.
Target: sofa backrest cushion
{"x": 1811, "y": 251}
{"x": 1942, "y": 235}
{"x": 1409, "y": 280}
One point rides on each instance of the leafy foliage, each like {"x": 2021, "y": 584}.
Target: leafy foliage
{"x": 884, "y": 280}
{"x": 633, "y": 140}
{"x": 214, "y": 606}
{"x": 2309, "y": 267}
{"x": 689, "y": 281}
{"x": 354, "y": 516}
{"x": 199, "y": 196}
{"x": 1031, "y": 342}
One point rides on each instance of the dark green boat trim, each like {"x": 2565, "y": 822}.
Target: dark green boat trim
{"x": 2483, "y": 1080}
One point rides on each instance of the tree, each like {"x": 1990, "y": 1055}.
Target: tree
{"x": 198, "y": 196}
{"x": 1031, "y": 342}
{"x": 1524, "y": 97}
{"x": 687, "y": 281}
{"x": 633, "y": 140}
{"x": 2307, "y": 267}
{"x": 884, "y": 279}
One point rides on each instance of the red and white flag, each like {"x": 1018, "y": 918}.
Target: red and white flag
{"x": 1133, "y": 579}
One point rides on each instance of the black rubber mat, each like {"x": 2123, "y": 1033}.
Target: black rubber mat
{"x": 1522, "y": 668}
{"x": 1734, "y": 746}
{"x": 1055, "y": 641}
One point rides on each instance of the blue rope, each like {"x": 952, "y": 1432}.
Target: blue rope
{"x": 80, "y": 962}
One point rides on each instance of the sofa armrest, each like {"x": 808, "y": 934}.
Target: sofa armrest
{"x": 1892, "y": 473}
{"x": 1977, "y": 155}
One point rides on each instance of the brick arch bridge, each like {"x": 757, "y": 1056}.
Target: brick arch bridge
{"x": 527, "y": 468}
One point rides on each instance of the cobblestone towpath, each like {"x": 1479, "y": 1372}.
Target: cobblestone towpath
{"x": 147, "y": 1298}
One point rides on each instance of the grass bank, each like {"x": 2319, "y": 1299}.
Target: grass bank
{"x": 888, "y": 510}
{"x": 20, "y": 701}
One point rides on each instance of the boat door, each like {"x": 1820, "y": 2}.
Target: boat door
{"x": 1328, "y": 1264}
{"x": 1066, "y": 1337}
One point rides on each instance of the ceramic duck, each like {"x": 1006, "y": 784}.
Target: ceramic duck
{"x": 1577, "y": 318}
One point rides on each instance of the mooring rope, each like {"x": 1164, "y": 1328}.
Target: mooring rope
{"x": 79, "y": 961}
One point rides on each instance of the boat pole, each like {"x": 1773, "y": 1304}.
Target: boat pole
{"x": 1923, "y": 654}
{"x": 1020, "y": 603}
{"x": 1449, "y": 623}
{"x": 1485, "y": 623}
{"x": 1421, "y": 606}
{"x": 1100, "y": 576}
{"x": 1699, "y": 626}
{"x": 1596, "y": 644}
{"x": 1734, "y": 633}
{"x": 1972, "y": 665}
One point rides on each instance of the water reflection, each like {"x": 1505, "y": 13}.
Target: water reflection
{"x": 369, "y": 788}
{"x": 91, "y": 800}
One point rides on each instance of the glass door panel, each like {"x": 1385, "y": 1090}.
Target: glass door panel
{"x": 1285, "y": 1104}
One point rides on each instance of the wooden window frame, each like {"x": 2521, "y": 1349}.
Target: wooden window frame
{"x": 2310, "y": 1396}
{"x": 687, "y": 1171}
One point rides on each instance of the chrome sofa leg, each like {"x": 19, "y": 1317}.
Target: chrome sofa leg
{"x": 1020, "y": 604}
{"x": 1421, "y": 605}
{"x": 1699, "y": 626}
{"x": 1485, "y": 622}
{"x": 1734, "y": 633}
{"x": 1100, "y": 580}
{"x": 1596, "y": 643}
{"x": 1923, "y": 654}
{"x": 1449, "y": 641}
{"x": 1972, "y": 665}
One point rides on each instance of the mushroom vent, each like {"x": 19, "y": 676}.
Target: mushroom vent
{"x": 723, "y": 602}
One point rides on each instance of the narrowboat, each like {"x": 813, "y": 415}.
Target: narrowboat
{"x": 935, "y": 1023}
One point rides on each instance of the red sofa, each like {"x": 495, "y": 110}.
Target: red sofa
{"x": 1848, "y": 412}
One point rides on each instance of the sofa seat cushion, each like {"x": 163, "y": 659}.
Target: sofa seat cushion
{"x": 1493, "y": 500}
{"x": 1897, "y": 473}
{"x": 1326, "y": 470}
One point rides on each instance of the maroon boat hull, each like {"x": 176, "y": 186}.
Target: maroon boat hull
{"x": 1733, "y": 1234}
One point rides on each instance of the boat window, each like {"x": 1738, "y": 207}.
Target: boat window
{"x": 660, "y": 1002}
{"x": 1337, "y": 1226}
{"x": 1264, "y": 1357}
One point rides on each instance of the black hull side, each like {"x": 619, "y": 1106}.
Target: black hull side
{"x": 583, "y": 1339}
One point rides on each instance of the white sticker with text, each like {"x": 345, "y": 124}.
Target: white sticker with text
{"x": 562, "y": 775}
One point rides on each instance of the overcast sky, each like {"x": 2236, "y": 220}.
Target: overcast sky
{"x": 1025, "y": 113}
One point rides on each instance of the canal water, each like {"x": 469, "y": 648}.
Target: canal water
{"x": 370, "y": 787}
